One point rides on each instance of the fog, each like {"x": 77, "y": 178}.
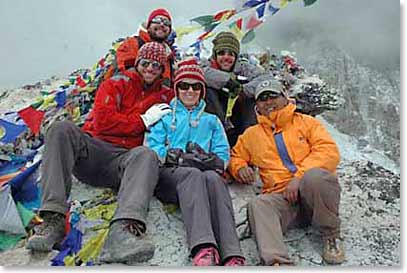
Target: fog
{"x": 48, "y": 37}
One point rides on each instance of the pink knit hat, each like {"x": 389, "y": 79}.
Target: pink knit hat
{"x": 189, "y": 69}
{"x": 152, "y": 51}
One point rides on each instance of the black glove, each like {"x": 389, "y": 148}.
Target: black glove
{"x": 173, "y": 156}
{"x": 234, "y": 86}
{"x": 198, "y": 158}
{"x": 194, "y": 148}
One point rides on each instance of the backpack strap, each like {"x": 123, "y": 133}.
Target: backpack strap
{"x": 283, "y": 153}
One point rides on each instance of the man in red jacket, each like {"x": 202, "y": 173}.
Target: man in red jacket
{"x": 107, "y": 152}
{"x": 157, "y": 28}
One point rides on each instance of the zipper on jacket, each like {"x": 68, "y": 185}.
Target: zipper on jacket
{"x": 189, "y": 124}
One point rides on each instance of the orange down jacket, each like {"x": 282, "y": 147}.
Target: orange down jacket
{"x": 308, "y": 143}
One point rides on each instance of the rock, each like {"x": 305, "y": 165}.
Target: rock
{"x": 369, "y": 209}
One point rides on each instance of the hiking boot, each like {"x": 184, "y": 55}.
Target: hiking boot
{"x": 49, "y": 233}
{"x": 127, "y": 243}
{"x": 235, "y": 261}
{"x": 206, "y": 257}
{"x": 334, "y": 252}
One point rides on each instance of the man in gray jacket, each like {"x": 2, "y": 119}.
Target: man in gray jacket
{"x": 227, "y": 96}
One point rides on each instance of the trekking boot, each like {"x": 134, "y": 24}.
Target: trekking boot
{"x": 235, "y": 261}
{"x": 206, "y": 257}
{"x": 127, "y": 243}
{"x": 49, "y": 233}
{"x": 334, "y": 252}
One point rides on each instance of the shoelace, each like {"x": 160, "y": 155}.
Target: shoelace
{"x": 332, "y": 244}
{"x": 134, "y": 228}
{"x": 208, "y": 253}
{"x": 213, "y": 258}
{"x": 235, "y": 261}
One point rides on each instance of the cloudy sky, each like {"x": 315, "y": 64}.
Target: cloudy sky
{"x": 48, "y": 37}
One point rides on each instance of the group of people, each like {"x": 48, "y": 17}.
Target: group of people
{"x": 165, "y": 129}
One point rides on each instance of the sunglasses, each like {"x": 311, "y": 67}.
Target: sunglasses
{"x": 265, "y": 96}
{"x": 185, "y": 86}
{"x": 164, "y": 20}
{"x": 224, "y": 52}
{"x": 146, "y": 62}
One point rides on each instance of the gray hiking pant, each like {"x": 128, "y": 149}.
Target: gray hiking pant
{"x": 68, "y": 150}
{"x": 270, "y": 215}
{"x": 206, "y": 207}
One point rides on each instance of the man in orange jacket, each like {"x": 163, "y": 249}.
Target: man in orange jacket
{"x": 108, "y": 152}
{"x": 157, "y": 29}
{"x": 297, "y": 159}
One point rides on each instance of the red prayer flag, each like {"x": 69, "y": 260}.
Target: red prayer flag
{"x": 32, "y": 118}
{"x": 80, "y": 82}
{"x": 225, "y": 14}
{"x": 253, "y": 22}
{"x": 239, "y": 23}
{"x": 102, "y": 62}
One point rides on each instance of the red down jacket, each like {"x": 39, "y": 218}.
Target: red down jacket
{"x": 119, "y": 102}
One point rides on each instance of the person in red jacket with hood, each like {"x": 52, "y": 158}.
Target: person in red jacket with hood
{"x": 157, "y": 28}
{"x": 107, "y": 152}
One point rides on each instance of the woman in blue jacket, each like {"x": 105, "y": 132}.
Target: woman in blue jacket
{"x": 193, "y": 147}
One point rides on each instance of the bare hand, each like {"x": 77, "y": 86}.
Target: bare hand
{"x": 246, "y": 175}
{"x": 291, "y": 190}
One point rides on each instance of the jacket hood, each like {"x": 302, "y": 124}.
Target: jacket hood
{"x": 143, "y": 33}
{"x": 280, "y": 119}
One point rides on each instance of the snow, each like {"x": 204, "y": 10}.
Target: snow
{"x": 350, "y": 152}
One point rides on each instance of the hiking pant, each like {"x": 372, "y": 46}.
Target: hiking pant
{"x": 270, "y": 214}
{"x": 132, "y": 173}
{"x": 206, "y": 207}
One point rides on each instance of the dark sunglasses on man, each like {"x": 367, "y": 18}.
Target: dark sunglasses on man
{"x": 161, "y": 19}
{"x": 223, "y": 52}
{"x": 266, "y": 95}
{"x": 185, "y": 86}
{"x": 146, "y": 62}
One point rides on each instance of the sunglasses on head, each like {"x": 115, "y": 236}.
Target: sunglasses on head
{"x": 265, "y": 96}
{"x": 223, "y": 52}
{"x": 146, "y": 62}
{"x": 159, "y": 19}
{"x": 185, "y": 86}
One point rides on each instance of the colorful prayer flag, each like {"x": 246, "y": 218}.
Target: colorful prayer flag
{"x": 32, "y": 117}
{"x": 10, "y": 131}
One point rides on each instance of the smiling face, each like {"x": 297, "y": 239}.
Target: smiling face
{"x": 159, "y": 29}
{"x": 189, "y": 92}
{"x": 225, "y": 59}
{"x": 269, "y": 102}
{"x": 149, "y": 70}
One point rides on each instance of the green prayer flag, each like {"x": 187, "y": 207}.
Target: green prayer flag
{"x": 8, "y": 240}
{"x": 204, "y": 20}
{"x": 309, "y": 2}
{"x": 248, "y": 37}
{"x": 26, "y": 215}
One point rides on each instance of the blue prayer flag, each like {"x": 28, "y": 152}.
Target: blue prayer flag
{"x": 60, "y": 98}
{"x": 10, "y": 131}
